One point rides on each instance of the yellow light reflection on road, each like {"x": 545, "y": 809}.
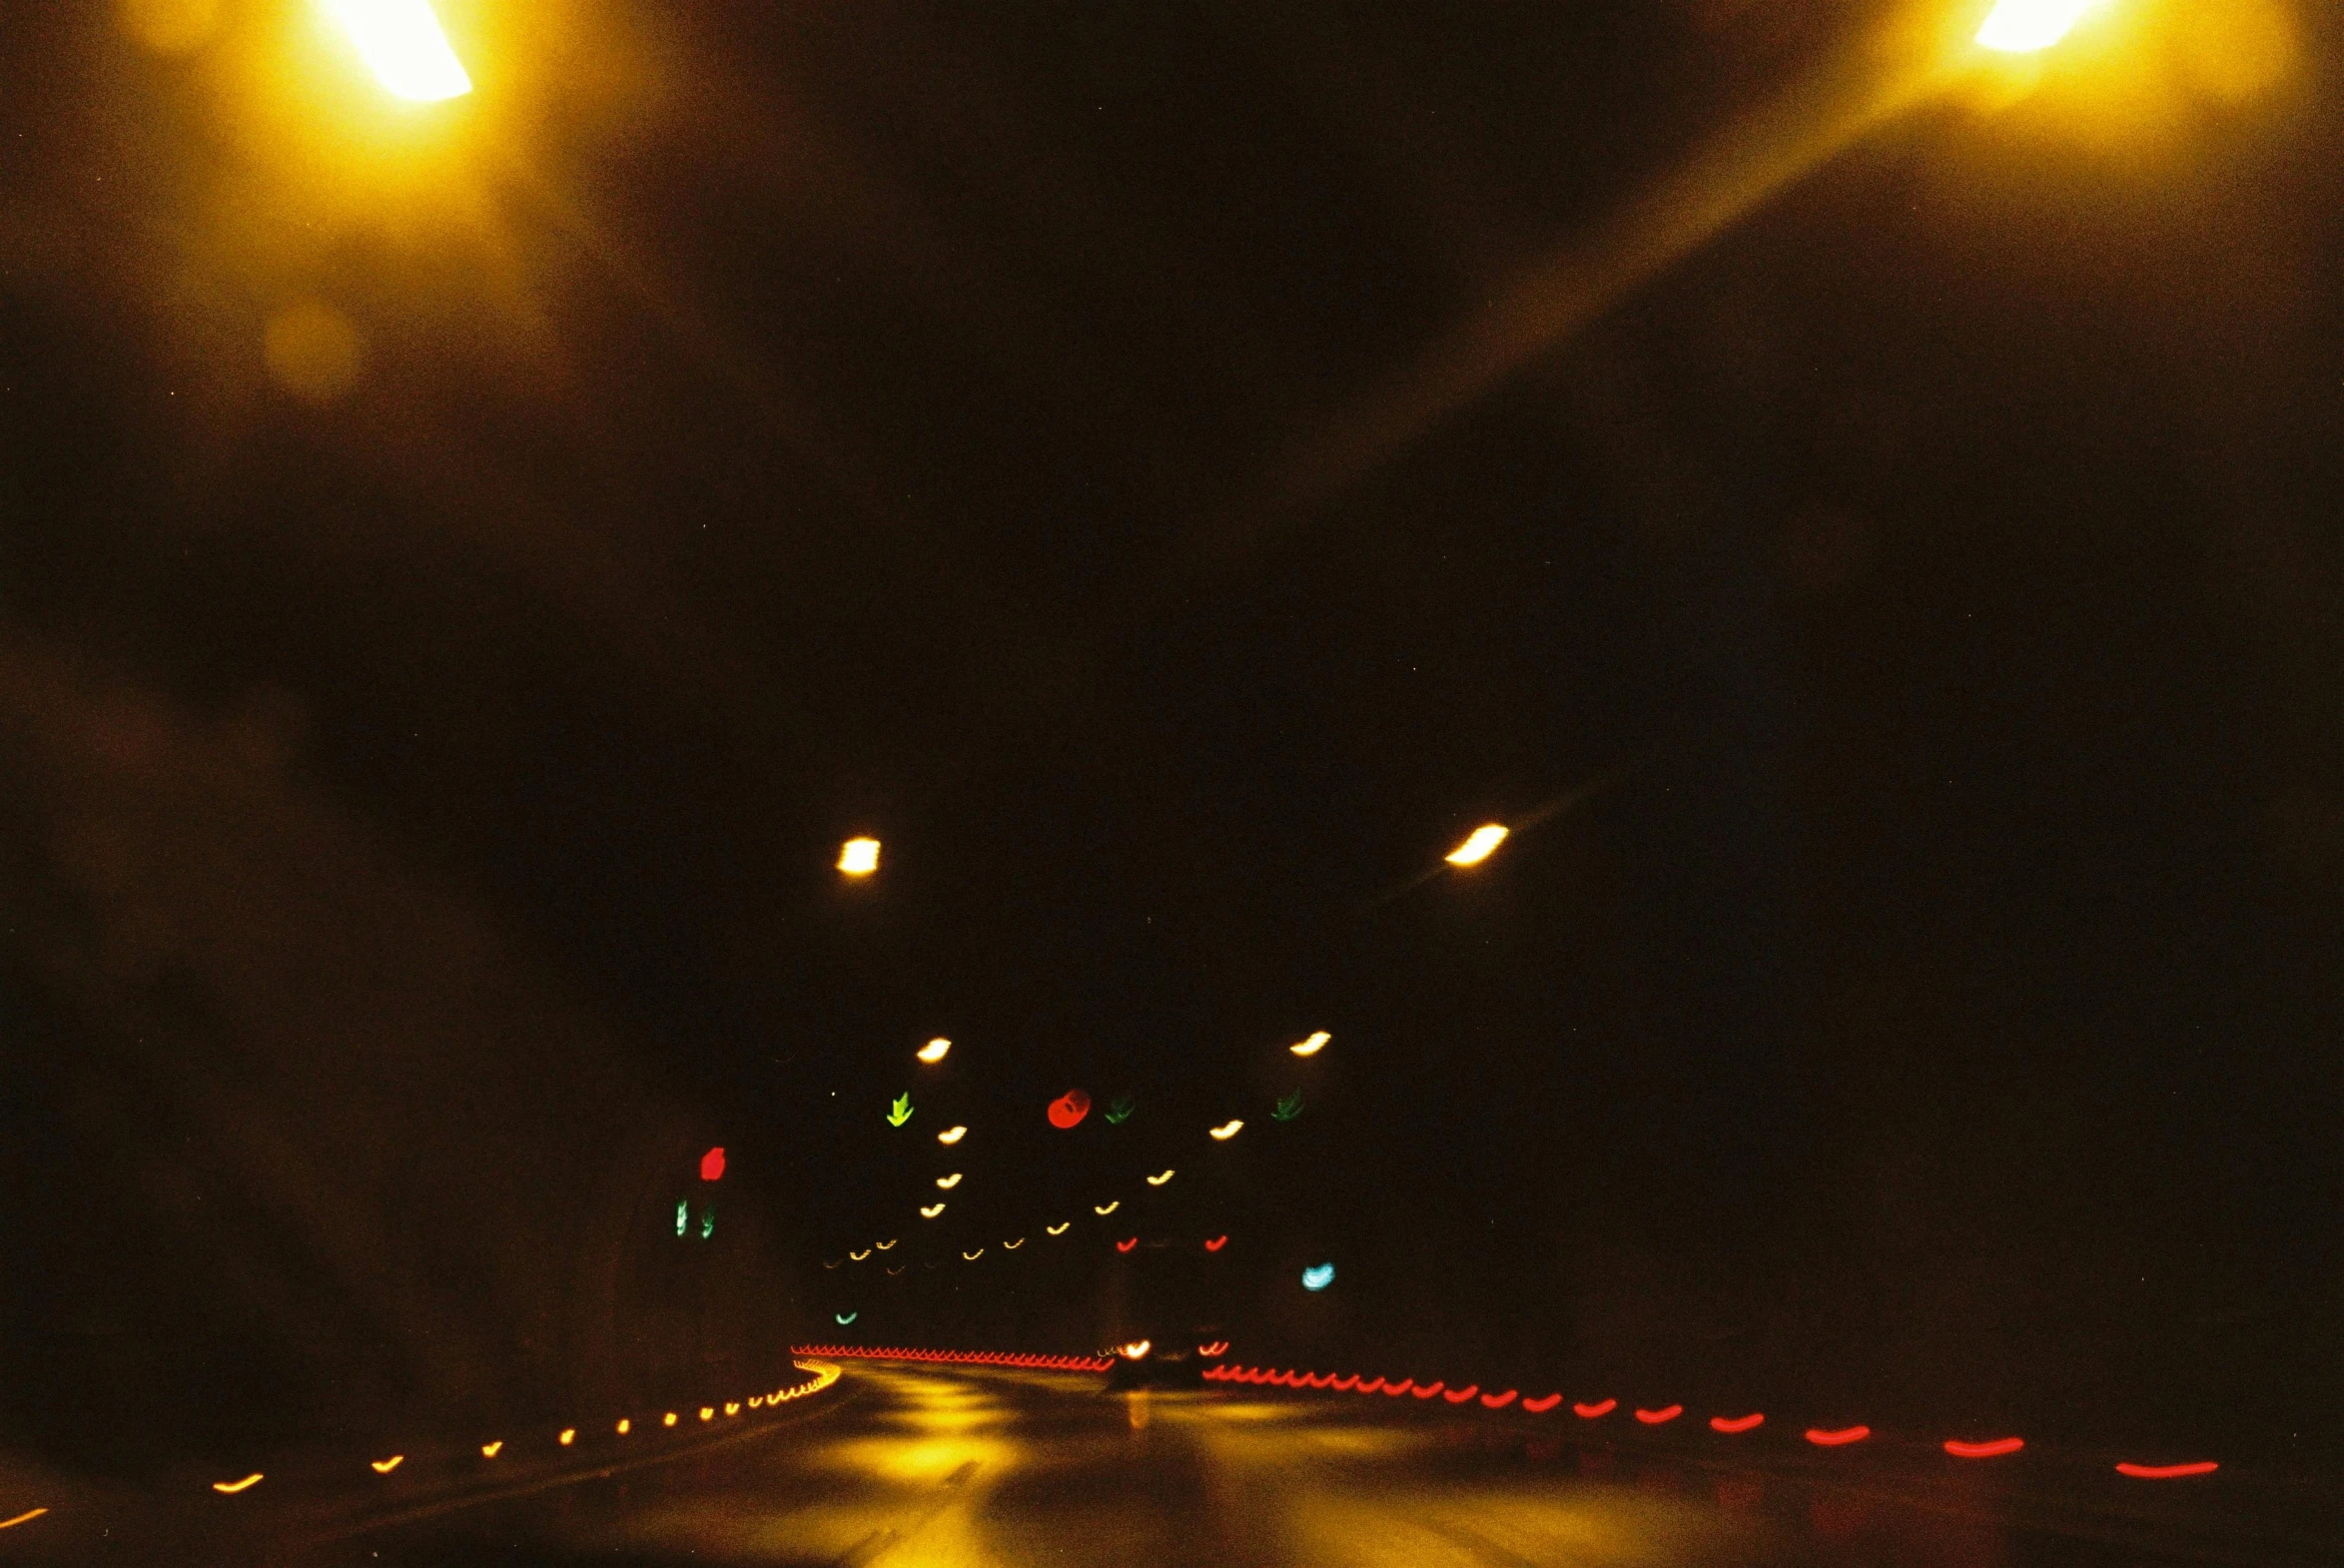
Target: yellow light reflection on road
{"x": 2025, "y": 26}
{"x": 1478, "y": 846}
{"x": 401, "y": 43}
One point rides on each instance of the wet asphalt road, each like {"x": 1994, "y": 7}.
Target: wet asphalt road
{"x": 959, "y": 1468}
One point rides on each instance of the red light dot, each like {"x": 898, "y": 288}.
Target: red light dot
{"x": 712, "y": 1164}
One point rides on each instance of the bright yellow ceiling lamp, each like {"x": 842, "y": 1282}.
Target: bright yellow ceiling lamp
{"x": 401, "y": 43}
{"x": 2018, "y": 27}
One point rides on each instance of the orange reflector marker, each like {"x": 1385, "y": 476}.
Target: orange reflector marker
{"x": 1667, "y": 1412}
{"x": 1990, "y": 1450}
{"x": 1839, "y": 1438}
{"x": 233, "y": 1487}
{"x": 1541, "y": 1407}
{"x": 10, "y": 1524}
{"x": 569, "y": 1435}
{"x": 385, "y": 1466}
{"x": 625, "y": 1426}
{"x": 2166, "y": 1472}
{"x": 1591, "y": 1412}
{"x": 1739, "y": 1423}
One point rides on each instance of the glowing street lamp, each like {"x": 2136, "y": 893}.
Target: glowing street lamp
{"x": 1478, "y": 846}
{"x": 402, "y": 45}
{"x": 859, "y": 858}
{"x": 2018, "y": 27}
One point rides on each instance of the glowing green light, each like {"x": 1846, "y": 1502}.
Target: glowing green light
{"x": 901, "y": 1112}
{"x": 1121, "y": 1111}
{"x": 1288, "y": 1107}
{"x": 707, "y": 1221}
{"x": 684, "y": 1216}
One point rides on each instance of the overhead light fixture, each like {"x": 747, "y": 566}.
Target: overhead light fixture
{"x": 401, "y": 43}
{"x": 1478, "y": 846}
{"x": 859, "y": 857}
{"x": 2018, "y": 27}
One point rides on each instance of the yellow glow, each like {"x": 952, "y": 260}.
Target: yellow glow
{"x": 952, "y": 1134}
{"x": 1478, "y": 846}
{"x": 30, "y": 1513}
{"x": 707, "y": 1412}
{"x": 973, "y": 1257}
{"x": 569, "y": 1435}
{"x": 948, "y": 1182}
{"x": 884, "y": 1246}
{"x": 385, "y": 1466}
{"x": 1226, "y": 1131}
{"x": 1135, "y": 1350}
{"x": 1108, "y": 1209}
{"x": 2018, "y": 27}
{"x": 732, "y": 1407}
{"x": 859, "y": 857}
{"x": 1318, "y": 1042}
{"x": 932, "y": 1210}
{"x": 402, "y": 45}
{"x": 1011, "y": 1246}
{"x": 1159, "y": 1180}
{"x": 492, "y": 1450}
{"x": 935, "y": 1049}
{"x": 625, "y": 1426}
{"x": 233, "y": 1487}
{"x": 668, "y": 1419}
{"x": 1059, "y": 1229}
{"x": 858, "y": 1257}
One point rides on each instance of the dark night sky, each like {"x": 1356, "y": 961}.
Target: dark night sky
{"x": 781, "y": 422}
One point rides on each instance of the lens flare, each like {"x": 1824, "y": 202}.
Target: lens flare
{"x": 401, "y": 43}
{"x": 1478, "y": 846}
{"x": 2018, "y": 27}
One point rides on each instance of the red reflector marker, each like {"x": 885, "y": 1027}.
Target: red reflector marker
{"x": 1739, "y": 1423}
{"x": 1461, "y": 1395}
{"x": 1426, "y": 1391}
{"x": 1542, "y": 1405}
{"x": 2168, "y": 1472}
{"x": 1837, "y": 1439}
{"x": 1500, "y": 1401}
{"x": 712, "y": 1164}
{"x": 1591, "y": 1412}
{"x": 1990, "y": 1450}
{"x": 1665, "y": 1413}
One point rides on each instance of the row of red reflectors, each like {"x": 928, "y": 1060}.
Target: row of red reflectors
{"x": 1821, "y": 1438}
{"x": 1057, "y": 1363}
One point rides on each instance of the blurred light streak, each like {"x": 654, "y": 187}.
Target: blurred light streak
{"x": 233, "y": 1487}
{"x": 492, "y": 1450}
{"x": 1318, "y": 1276}
{"x": 952, "y": 1134}
{"x": 1428, "y": 1390}
{"x": 712, "y": 1164}
{"x": 1108, "y": 1209}
{"x": 1126, "y": 1246}
{"x": 1499, "y": 1401}
{"x": 859, "y": 1257}
{"x": 973, "y": 1257}
{"x": 385, "y": 1466}
{"x": 1218, "y": 1347}
{"x": 1119, "y": 1111}
{"x": 707, "y": 1412}
{"x": 843, "y": 1319}
{"x": 1137, "y": 1348}
{"x": 1541, "y": 1407}
{"x": 569, "y": 1435}
{"x": 1839, "y": 1438}
{"x": 1461, "y": 1395}
{"x": 1312, "y": 1047}
{"x": 2020, "y": 27}
{"x": 2166, "y": 1472}
{"x": 624, "y": 1426}
{"x": 859, "y": 857}
{"x": 930, "y": 1212}
{"x": 1371, "y": 1385}
{"x": 1057, "y": 1230}
{"x": 1287, "y": 1108}
{"x": 1739, "y": 1423}
{"x": 1069, "y": 1109}
{"x": 755, "y": 1401}
{"x": 948, "y": 1182}
{"x": 1226, "y": 1131}
{"x": 1592, "y": 1411}
{"x": 668, "y": 1419}
{"x": 1986, "y": 1450}
{"x": 1217, "y": 1244}
{"x": 732, "y": 1407}
{"x": 1404, "y": 1385}
{"x": 1479, "y": 845}
{"x": 22, "y": 1518}
{"x": 403, "y": 44}
{"x": 834, "y": 1263}
{"x": 884, "y": 1246}
{"x": 933, "y": 1051}
{"x": 1668, "y": 1412}
{"x": 1159, "y": 1180}
{"x": 900, "y": 1111}
{"x": 1011, "y": 1246}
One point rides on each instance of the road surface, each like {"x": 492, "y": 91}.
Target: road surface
{"x": 965, "y": 1468}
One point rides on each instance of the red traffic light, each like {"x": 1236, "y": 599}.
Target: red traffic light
{"x": 712, "y": 1163}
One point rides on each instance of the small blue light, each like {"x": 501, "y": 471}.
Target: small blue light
{"x": 1318, "y": 1277}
